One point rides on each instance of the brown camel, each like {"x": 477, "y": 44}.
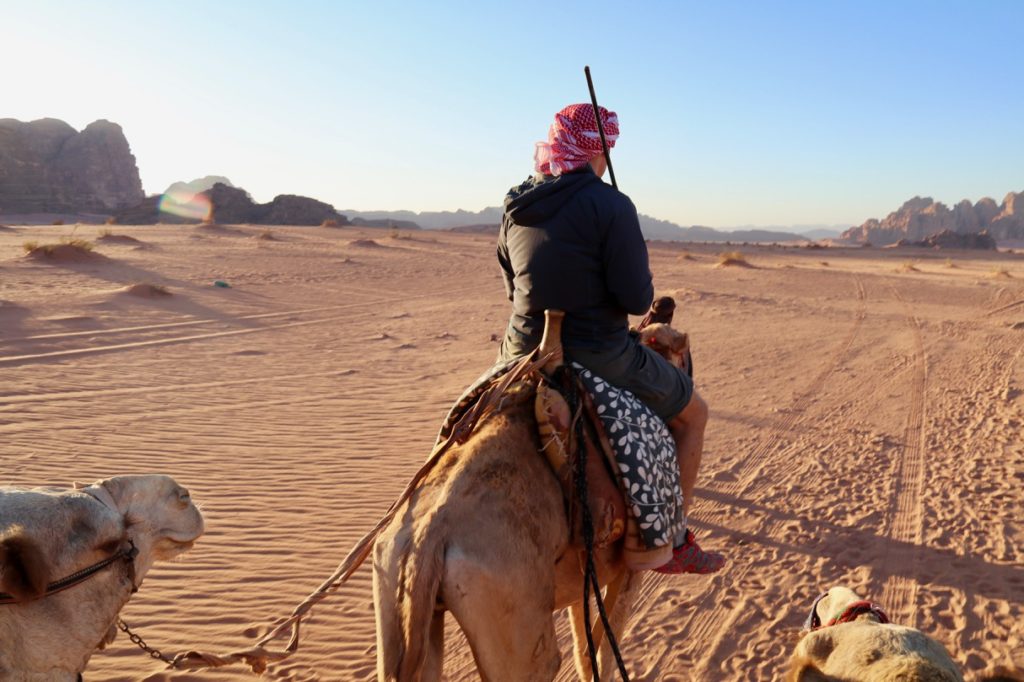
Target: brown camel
{"x": 484, "y": 536}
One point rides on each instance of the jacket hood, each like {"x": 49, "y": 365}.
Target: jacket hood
{"x": 540, "y": 197}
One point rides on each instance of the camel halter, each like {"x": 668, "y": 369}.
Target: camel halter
{"x": 126, "y": 553}
{"x": 851, "y": 612}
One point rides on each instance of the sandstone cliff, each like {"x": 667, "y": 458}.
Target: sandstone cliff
{"x": 234, "y": 205}
{"x": 48, "y": 167}
{"x": 920, "y": 218}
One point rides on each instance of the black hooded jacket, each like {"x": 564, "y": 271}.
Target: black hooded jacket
{"x": 573, "y": 243}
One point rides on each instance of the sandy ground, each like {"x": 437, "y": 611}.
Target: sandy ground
{"x": 865, "y": 430}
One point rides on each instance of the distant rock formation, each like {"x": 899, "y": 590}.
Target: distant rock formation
{"x": 198, "y": 185}
{"x": 360, "y": 221}
{"x": 46, "y": 166}
{"x": 234, "y": 205}
{"x": 947, "y": 239}
{"x": 428, "y": 220}
{"x": 485, "y": 220}
{"x": 922, "y": 217}
{"x": 492, "y": 228}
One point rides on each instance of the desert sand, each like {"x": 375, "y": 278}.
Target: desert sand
{"x": 866, "y": 407}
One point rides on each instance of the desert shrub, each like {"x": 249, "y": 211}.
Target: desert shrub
{"x": 732, "y": 258}
{"x": 80, "y": 244}
{"x": 908, "y": 266}
{"x": 111, "y": 221}
{"x": 329, "y": 222}
{"x": 58, "y": 221}
{"x": 83, "y": 244}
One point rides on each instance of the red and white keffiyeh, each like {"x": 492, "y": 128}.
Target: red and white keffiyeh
{"x": 574, "y": 140}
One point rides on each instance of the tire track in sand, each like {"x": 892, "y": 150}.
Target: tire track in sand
{"x": 904, "y": 519}
{"x": 57, "y": 336}
{"x": 706, "y": 624}
{"x": 94, "y": 350}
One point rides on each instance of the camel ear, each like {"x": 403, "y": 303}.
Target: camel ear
{"x": 23, "y": 565}
{"x": 78, "y": 485}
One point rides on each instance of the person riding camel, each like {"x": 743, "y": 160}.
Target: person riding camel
{"x": 571, "y": 242}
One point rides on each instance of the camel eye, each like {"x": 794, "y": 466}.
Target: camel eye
{"x": 183, "y": 497}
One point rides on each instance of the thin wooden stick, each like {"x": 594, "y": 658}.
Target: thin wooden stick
{"x": 600, "y": 126}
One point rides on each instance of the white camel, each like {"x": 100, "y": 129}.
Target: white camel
{"x": 855, "y": 641}
{"x": 47, "y": 535}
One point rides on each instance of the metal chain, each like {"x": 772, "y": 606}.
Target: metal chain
{"x": 153, "y": 653}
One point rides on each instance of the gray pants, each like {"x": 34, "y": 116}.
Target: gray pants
{"x": 636, "y": 368}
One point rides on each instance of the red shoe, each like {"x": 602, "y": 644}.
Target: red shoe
{"x": 690, "y": 558}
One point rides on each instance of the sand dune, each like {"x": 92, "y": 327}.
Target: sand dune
{"x": 865, "y": 424}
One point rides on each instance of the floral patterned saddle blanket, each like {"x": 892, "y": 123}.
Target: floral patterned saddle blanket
{"x": 644, "y": 454}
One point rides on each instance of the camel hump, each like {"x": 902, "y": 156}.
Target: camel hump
{"x": 22, "y": 567}
{"x": 551, "y": 342}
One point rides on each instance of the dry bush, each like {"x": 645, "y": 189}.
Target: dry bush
{"x": 908, "y": 266}
{"x": 686, "y": 255}
{"x": 1001, "y": 273}
{"x": 329, "y": 222}
{"x": 58, "y": 221}
{"x": 107, "y": 232}
{"x": 111, "y": 221}
{"x": 147, "y": 290}
{"x": 81, "y": 245}
{"x": 732, "y": 258}
{"x": 267, "y": 235}
{"x": 949, "y": 263}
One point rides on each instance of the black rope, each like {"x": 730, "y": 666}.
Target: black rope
{"x": 571, "y": 386}
{"x": 78, "y": 576}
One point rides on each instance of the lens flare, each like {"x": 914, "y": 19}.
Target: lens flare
{"x": 186, "y": 205}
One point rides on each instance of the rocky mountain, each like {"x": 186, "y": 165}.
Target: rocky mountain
{"x": 198, "y": 185}
{"x": 234, "y": 205}
{"x": 947, "y": 239}
{"x": 921, "y": 217}
{"x": 46, "y": 166}
{"x": 428, "y": 220}
{"x": 488, "y": 220}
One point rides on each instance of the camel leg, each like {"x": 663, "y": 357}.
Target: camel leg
{"x": 618, "y": 616}
{"x": 507, "y": 618}
{"x": 433, "y": 661}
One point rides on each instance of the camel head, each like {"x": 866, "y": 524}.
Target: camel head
{"x": 666, "y": 342}
{"x": 160, "y": 516}
{"x": 851, "y": 639}
{"x": 831, "y": 605}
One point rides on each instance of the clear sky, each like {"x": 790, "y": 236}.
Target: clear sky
{"x": 732, "y": 113}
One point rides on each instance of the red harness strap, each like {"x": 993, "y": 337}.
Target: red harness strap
{"x": 859, "y": 608}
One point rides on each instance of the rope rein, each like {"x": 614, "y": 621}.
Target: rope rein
{"x": 571, "y": 386}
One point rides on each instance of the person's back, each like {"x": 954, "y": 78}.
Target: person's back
{"x": 570, "y": 242}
